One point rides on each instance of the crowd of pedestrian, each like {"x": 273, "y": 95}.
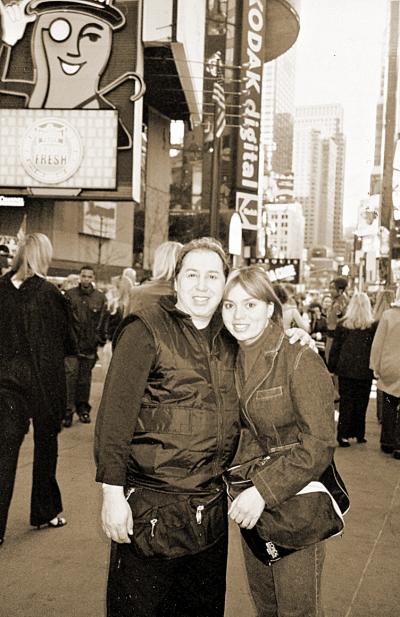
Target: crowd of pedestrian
{"x": 213, "y": 376}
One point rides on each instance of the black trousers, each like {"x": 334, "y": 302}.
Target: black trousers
{"x": 190, "y": 586}
{"x": 78, "y": 372}
{"x": 390, "y": 433}
{"x": 45, "y": 494}
{"x": 354, "y": 398}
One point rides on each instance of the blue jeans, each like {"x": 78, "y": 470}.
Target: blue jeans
{"x": 290, "y": 587}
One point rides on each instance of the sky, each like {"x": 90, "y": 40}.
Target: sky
{"x": 338, "y": 60}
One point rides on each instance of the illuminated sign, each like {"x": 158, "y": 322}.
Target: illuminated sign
{"x": 246, "y": 205}
{"x": 79, "y": 57}
{"x": 253, "y": 30}
{"x": 58, "y": 148}
{"x": 283, "y": 270}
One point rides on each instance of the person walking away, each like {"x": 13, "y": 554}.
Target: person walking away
{"x": 167, "y": 428}
{"x": 162, "y": 280}
{"x": 384, "y": 362}
{"x": 117, "y": 300}
{"x": 384, "y": 300}
{"x": 291, "y": 315}
{"x": 88, "y": 305}
{"x": 349, "y": 360}
{"x": 292, "y": 426}
{"x": 337, "y": 309}
{"x": 36, "y": 334}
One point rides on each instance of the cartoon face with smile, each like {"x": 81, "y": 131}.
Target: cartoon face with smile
{"x": 73, "y": 49}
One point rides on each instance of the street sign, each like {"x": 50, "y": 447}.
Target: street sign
{"x": 247, "y": 205}
{"x": 235, "y": 234}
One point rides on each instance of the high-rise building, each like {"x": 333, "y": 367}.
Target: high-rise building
{"x": 278, "y": 89}
{"x": 318, "y": 165}
{"x": 286, "y": 224}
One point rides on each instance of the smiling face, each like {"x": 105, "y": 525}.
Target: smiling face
{"x": 76, "y": 47}
{"x": 199, "y": 285}
{"x": 244, "y": 316}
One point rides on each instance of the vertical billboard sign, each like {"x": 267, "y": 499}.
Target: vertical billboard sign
{"x": 68, "y": 79}
{"x": 252, "y": 60}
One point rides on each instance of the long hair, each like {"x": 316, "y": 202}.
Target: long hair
{"x": 164, "y": 260}
{"x": 358, "y": 313}
{"x": 118, "y": 295}
{"x": 33, "y": 255}
{"x": 384, "y": 299}
{"x": 255, "y": 281}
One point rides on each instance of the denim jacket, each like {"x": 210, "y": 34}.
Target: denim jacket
{"x": 287, "y": 407}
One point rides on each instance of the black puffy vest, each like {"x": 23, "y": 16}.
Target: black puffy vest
{"x": 188, "y": 426}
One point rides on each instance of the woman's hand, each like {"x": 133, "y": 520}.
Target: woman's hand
{"x": 116, "y": 515}
{"x": 298, "y": 334}
{"x": 247, "y": 508}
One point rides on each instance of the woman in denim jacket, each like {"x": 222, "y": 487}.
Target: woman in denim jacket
{"x": 288, "y": 414}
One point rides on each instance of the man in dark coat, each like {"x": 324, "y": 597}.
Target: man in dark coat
{"x": 88, "y": 306}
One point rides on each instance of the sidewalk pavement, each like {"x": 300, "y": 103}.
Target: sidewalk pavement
{"x": 63, "y": 572}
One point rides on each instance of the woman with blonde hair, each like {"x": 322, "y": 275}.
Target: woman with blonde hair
{"x": 161, "y": 282}
{"x": 36, "y": 334}
{"x": 349, "y": 359}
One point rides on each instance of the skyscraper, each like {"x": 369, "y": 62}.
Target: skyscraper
{"x": 318, "y": 165}
{"x": 278, "y": 108}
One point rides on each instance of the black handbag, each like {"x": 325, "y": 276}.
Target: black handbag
{"x": 169, "y": 524}
{"x": 293, "y": 525}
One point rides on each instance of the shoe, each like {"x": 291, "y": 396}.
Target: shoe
{"x": 67, "y": 422}
{"x": 84, "y": 418}
{"x": 61, "y": 522}
{"x": 396, "y": 455}
{"x": 387, "y": 449}
{"x": 343, "y": 442}
{"x": 361, "y": 440}
{"x": 1, "y": 541}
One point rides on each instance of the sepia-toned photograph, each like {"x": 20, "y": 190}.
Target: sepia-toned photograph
{"x": 199, "y": 308}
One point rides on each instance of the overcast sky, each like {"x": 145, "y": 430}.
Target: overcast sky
{"x": 339, "y": 54}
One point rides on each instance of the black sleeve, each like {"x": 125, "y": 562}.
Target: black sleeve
{"x": 334, "y": 353}
{"x": 120, "y": 405}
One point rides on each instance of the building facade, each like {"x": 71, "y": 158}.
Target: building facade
{"x": 318, "y": 165}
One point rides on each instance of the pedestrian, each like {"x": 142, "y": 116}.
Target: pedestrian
{"x": 385, "y": 364}
{"x": 117, "y": 301}
{"x": 337, "y": 309}
{"x": 167, "y": 428}
{"x": 292, "y": 429}
{"x": 318, "y": 327}
{"x": 88, "y": 306}
{"x": 35, "y": 334}
{"x": 162, "y": 280}
{"x": 291, "y": 315}
{"x": 349, "y": 360}
{"x": 384, "y": 300}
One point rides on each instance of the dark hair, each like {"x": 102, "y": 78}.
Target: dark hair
{"x": 340, "y": 283}
{"x": 202, "y": 244}
{"x": 255, "y": 281}
{"x": 86, "y": 268}
{"x": 280, "y": 292}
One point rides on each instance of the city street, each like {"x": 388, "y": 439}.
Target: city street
{"x": 62, "y": 573}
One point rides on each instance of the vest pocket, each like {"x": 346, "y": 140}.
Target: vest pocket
{"x": 165, "y": 419}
